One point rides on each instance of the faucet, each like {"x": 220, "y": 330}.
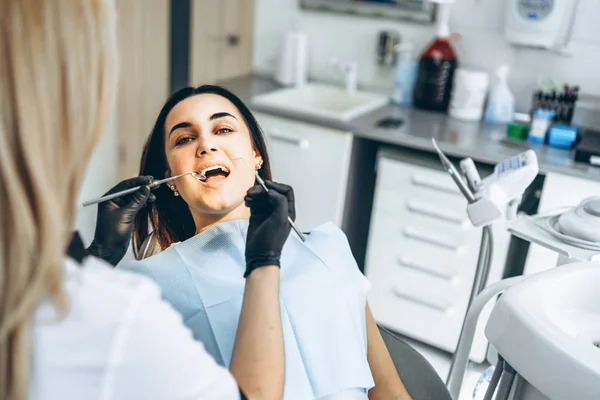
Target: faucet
{"x": 350, "y": 71}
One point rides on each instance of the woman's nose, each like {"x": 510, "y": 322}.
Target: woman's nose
{"x": 205, "y": 147}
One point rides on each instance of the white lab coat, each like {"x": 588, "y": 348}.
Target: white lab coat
{"x": 119, "y": 341}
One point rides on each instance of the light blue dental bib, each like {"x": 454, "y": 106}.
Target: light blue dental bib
{"x": 322, "y": 298}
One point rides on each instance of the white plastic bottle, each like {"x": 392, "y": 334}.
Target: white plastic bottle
{"x": 501, "y": 104}
{"x": 406, "y": 75}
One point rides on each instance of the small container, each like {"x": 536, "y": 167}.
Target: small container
{"x": 468, "y": 97}
{"x": 540, "y": 124}
{"x": 562, "y": 136}
{"x": 501, "y": 104}
{"x": 406, "y": 75}
{"x": 517, "y": 130}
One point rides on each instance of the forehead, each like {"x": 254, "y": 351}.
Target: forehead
{"x": 200, "y": 108}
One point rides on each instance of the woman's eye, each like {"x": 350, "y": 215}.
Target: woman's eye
{"x": 224, "y": 130}
{"x": 183, "y": 140}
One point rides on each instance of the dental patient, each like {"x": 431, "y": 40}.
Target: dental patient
{"x": 333, "y": 348}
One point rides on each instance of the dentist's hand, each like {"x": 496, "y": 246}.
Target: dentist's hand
{"x": 114, "y": 225}
{"x": 269, "y": 227}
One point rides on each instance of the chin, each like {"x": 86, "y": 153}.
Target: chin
{"x": 218, "y": 203}
{"x": 224, "y": 198}
{"x": 220, "y": 209}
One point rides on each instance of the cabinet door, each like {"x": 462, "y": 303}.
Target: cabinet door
{"x": 221, "y": 38}
{"x": 314, "y": 161}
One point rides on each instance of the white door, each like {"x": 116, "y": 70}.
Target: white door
{"x": 315, "y": 162}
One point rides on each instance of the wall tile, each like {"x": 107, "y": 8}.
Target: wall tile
{"x": 587, "y": 27}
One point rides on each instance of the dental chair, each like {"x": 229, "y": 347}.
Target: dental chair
{"x": 420, "y": 379}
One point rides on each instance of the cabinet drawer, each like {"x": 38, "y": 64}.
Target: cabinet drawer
{"x": 407, "y": 303}
{"x": 434, "y": 233}
{"x": 400, "y": 175}
{"x": 418, "y": 278}
{"x": 449, "y": 208}
{"x": 449, "y": 272}
{"x": 418, "y": 187}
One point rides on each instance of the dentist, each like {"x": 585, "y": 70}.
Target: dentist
{"x": 72, "y": 327}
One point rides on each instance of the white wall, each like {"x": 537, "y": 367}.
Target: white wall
{"x": 483, "y": 46}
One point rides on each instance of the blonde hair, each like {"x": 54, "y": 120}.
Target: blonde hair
{"x": 57, "y": 81}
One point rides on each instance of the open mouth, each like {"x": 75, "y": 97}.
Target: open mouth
{"x": 214, "y": 174}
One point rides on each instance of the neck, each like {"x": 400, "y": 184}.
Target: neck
{"x": 204, "y": 221}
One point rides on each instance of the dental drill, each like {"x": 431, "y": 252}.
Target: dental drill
{"x": 494, "y": 198}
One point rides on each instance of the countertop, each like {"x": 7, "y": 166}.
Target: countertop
{"x": 482, "y": 142}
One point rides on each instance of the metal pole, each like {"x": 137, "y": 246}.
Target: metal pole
{"x": 481, "y": 273}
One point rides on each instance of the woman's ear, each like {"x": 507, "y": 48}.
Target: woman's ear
{"x": 258, "y": 161}
{"x": 172, "y": 183}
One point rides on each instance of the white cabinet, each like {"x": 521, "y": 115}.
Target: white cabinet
{"x": 559, "y": 191}
{"x": 422, "y": 254}
{"x": 313, "y": 160}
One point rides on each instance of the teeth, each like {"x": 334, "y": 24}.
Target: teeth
{"x": 214, "y": 167}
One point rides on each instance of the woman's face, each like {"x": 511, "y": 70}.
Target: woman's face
{"x": 207, "y": 134}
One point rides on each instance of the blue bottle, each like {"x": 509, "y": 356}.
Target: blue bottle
{"x": 406, "y": 75}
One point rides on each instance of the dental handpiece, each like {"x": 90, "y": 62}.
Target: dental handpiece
{"x": 460, "y": 182}
{"x": 262, "y": 183}
{"x": 153, "y": 184}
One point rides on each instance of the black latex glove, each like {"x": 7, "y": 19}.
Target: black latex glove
{"x": 114, "y": 225}
{"x": 269, "y": 227}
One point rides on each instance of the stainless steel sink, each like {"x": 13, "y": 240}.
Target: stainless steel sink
{"x": 320, "y": 101}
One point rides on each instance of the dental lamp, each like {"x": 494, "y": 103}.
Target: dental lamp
{"x": 573, "y": 234}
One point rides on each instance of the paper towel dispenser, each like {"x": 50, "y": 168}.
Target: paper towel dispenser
{"x": 544, "y": 24}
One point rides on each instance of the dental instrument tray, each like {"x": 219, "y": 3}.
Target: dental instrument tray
{"x": 542, "y": 229}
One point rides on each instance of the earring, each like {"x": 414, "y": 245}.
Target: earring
{"x": 259, "y": 165}
{"x": 175, "y": 192}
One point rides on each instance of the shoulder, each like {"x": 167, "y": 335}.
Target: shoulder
{"x": 328, "y": 231}
{"x": 332, "y": 246}
{"x": 95, "y": 277}
{"x": 97, "y": 291}
{"x": 99, "y": 301}
{"x": 329, "y": 236}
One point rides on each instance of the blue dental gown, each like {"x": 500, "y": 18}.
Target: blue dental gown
{"x": 322, "y": 300}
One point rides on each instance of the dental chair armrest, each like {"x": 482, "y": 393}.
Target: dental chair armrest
{"x": 420, "y": 379}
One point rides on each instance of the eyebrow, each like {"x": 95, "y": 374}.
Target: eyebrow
{"x": 212, "y": 117}
{"x": 221, "y": 115}
{"x": 180, "y": 125}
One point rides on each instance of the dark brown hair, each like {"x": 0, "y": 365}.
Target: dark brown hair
{"x": 169, "y": 217}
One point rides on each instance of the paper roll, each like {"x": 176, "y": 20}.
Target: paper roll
{"x": 293, "y": 59}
